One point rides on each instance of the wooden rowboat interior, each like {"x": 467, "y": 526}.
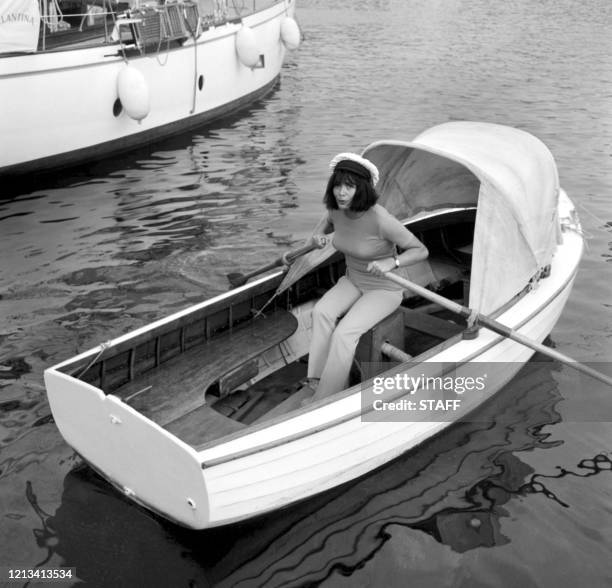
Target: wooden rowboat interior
{"x": 222, "y": 368}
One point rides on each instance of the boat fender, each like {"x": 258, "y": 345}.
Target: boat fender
{"x": 290, "y": 33}
{"x": 133, "y": 92}
{"x": 246, "y": 47}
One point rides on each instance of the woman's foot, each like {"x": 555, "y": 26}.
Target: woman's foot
{"x": 308, "y": 389}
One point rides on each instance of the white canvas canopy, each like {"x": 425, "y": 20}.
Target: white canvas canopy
{"x": 508, "y": 174}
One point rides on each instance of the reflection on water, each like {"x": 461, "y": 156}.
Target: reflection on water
{"x": 456, "y": 491}
{"x": 175, "y": 199}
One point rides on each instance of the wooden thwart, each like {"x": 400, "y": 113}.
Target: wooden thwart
{"x": 178, "y": 386}
{"x": 432, "y": 325}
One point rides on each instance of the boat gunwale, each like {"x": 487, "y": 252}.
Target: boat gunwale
{"x": 125, "y": 341}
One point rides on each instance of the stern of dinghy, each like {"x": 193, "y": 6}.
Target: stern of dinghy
{"x": 143, "y": 460}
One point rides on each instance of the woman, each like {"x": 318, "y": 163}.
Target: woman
{"x": 369, "y": 237}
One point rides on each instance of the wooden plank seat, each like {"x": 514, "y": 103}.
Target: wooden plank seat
{"x": 369, "y": 356}
{"x": 430, "y": 324}
{"x": 178, "y": 386}
{"x": 369, "y": 359}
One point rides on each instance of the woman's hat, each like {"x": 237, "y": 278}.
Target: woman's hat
{"x": 356, "y": 164}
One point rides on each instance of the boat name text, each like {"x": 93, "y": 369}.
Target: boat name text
{"x": 13, "y": 17}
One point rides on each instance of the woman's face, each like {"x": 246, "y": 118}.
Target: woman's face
{"x": 344, "y": 194}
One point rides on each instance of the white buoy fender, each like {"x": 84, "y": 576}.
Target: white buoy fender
{"x": 246, "y": 47}
{"x": 290, "y": 33}
{"x": 133, "y": 92}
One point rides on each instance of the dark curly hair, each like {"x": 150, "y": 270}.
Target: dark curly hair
{"x": 365, "y": 193}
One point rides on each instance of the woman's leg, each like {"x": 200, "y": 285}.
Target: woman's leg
{"x": 326, "y": 312}
{"x": 369, "y": 309}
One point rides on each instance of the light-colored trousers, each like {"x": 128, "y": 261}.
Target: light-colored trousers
{"x": 332, "y": 346}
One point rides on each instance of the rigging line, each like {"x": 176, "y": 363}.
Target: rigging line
{"x": 238, "y": 10}
{"x": 259, "y": 312}
{"x": 165, "y": 61}
{"x": 195, "y": 60}
{"x": 159, "y": 44}
{"x": 103, "y": 347}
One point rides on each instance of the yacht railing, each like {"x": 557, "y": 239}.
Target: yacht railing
{"x": 137, "y": 23}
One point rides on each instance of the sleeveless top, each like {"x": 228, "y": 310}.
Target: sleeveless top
{"x": 370, "y": 236}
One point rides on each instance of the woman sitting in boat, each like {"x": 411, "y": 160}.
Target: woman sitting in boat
{"x": 369, "y": 236}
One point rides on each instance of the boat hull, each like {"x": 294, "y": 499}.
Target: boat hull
{"x": 270, "y": 465}
{"x": 60, "y": 107}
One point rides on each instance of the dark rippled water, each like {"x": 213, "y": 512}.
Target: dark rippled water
{"x": 523, "y": 499}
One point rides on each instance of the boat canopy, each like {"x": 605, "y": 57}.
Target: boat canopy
{"x": 510, "y": 176}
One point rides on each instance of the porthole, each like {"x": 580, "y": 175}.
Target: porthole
{"x": 200, "y": 82}
{"x": 117, "y": 107}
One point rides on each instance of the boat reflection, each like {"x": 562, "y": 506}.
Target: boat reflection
{"x": 453, "y": 488}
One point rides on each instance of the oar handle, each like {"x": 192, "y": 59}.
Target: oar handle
{"x": 295, "y": 253}
{"x": 498, "y": 327}
{"x": 237, "y": 279}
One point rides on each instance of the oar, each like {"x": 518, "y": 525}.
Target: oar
{"x": 237, "y": 279}
{"x": 498, "y": 328}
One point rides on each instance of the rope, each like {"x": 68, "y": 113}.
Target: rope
{"x": 161, "y": 40}
{"x": 195, "y": 60}
{"x": 103, "y": 347}
{"x": 257, "y": 313}
{"x": 237, "y": 10}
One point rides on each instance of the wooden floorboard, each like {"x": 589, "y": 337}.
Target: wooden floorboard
{"x": 292, "y": 403}
{"x": 178, "y": 386}
{"x": 202, "y": 425}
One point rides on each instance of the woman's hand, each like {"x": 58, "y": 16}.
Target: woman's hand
{"x": 381, "y": 266}
{"x": 319, "y": 241}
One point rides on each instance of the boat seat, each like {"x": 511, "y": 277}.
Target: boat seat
{"x": 178, "y": 386}
{"x": 431, "y": 325}
{"x": 368, "y": 355}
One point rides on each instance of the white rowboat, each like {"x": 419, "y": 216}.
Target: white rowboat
{"x": 194, "y": 417}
